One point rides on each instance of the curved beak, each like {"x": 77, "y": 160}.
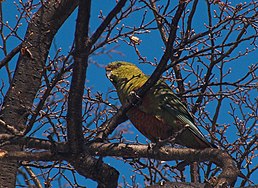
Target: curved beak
{"x": 108, "y": 72}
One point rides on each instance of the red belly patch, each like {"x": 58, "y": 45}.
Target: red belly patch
{"x": 149, "y": 125}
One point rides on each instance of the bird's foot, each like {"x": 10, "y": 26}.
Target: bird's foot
{"x": 151, "y": 145}
{"x": 134, "y": 99}
{"x": 170, "y": 140}
{"x": 156, "y": 145}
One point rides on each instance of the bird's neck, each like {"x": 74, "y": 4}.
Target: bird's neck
{"x": 126, "y": 86}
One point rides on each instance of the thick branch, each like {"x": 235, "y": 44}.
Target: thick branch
{"x": 89, "y": 44}
{"x": 81, "y": 53}
{"x": 110, "y": 125}
{"x": 222, "y": 159}
{"x": 219, "y": 157}
{"x": 97, "y": 170}
{"x": 84, "y": 164}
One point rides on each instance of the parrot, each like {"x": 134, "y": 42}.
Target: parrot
{"x": 160, "y": 113}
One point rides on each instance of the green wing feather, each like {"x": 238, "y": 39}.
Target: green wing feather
{"x": 172, "y": 110}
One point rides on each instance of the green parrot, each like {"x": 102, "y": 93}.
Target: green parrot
{"x": 161, "y": 114}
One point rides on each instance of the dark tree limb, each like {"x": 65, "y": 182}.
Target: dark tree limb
{"x": 89, "y": 43}
{"x": 97, "y": 170}
{"x": 85, "y": 164}
{"x": 81, "y": 54}
{"x": 110, "y": 125}
{"x": 220, "y": 158}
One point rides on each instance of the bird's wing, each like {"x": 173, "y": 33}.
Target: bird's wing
{"x": 173, "y": 106}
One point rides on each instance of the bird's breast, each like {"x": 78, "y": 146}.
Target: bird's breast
{"x": 149, "y": 125}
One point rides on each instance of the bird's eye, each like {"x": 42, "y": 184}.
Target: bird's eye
{"x": 118, "y": 65}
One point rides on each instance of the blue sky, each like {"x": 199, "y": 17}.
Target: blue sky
{"x": 150, "y": 47}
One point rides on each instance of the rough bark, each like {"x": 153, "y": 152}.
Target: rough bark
{"x": 85, "y": 164}
{"x": 27, "y": 77}
{"x": 81, "y": 53}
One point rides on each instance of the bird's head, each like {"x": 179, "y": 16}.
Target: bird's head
{"x": 120, "y": 72}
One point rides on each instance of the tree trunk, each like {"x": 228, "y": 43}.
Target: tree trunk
{"x": 8, "y": 170}
{"x": 27, "y": 77}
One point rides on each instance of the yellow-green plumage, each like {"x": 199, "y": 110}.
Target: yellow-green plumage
{"x": 161, "y": 114}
